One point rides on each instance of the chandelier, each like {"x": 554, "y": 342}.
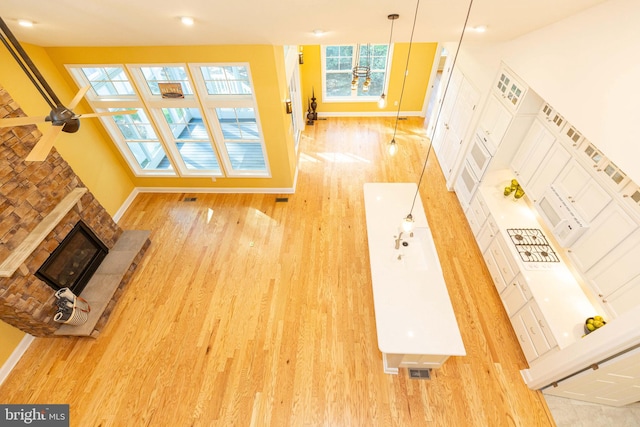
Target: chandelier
{"x": 362, "y": 71}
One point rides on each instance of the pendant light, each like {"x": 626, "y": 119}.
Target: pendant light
{"x": 382, "y": 102}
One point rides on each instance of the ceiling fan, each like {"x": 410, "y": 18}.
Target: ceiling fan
{"x": 62, "y": 117}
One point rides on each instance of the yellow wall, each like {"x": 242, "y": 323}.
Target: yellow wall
{"x": 10, "y": 337}
{"x": 88, "y": 152}
{"x": 420, "y": 65}
{"x": 265, "y": 62}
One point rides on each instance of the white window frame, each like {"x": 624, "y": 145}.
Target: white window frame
{"x": 353, "y": 96}
{"x": 152, "y": 106}
{"x": 211, "y": 102}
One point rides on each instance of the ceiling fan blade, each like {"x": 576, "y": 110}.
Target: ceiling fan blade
{"x": 106, "y": 113}
{"x": 76, "y": 100}
{"x": 43, "y": 146}
{"x": 21, "y": 121}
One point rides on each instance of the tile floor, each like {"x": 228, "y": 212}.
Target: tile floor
{"x": 574, "y": 413}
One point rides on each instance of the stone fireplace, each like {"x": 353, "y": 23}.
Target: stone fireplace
{"x": 30, "y": 193}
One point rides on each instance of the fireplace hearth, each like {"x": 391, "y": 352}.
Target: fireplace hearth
{"x": 74, "y": 261}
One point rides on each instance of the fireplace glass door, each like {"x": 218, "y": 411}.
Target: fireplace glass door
{"x": 74, "y": 261}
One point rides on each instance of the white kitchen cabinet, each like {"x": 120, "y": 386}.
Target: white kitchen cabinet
{"x": 493, "y": 124}
{"x": 625, "y": 298}
{"x": 510, "y": 89}
{"x": 552, "y": 118}
{"x": 532, "y": 331}
{"x": 605, "y": 232}
{"x": 584, "y": 193}
{"x": 479, "y": 211}
{"x": 457, "y": 111}
{"x": 618, "y": 269}
{"x": 615, "y": 382}
{"x": 515, "y": 295}
{"x": 524, "y": 339}
{"x": 500, "y": 263}
{"x": 548, "y": 170}
{"x": 535, "y": 146}
{"x": 487, "y": 233}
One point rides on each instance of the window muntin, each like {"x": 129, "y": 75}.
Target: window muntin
{"x": 108, "y": 81}
{"x": 226, "y": 80}
{"x": 239, "y": 128}
{"x": 189, "y": 136}
{"x": 149, "y": 155}
{"x": 185, "y": 123}
{"x": 169, "y": 137}
{"x": 338, "y": 63}
{"x": 141, "y": 140}
{"x": 155, "y": 75}
{"x": 238, "y": 123}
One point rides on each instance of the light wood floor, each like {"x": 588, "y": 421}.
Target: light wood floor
{"x": 249, "y": 312}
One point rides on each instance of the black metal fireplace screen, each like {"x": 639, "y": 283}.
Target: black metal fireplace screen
{"x": 74, "y": 261}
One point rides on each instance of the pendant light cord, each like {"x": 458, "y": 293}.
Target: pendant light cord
{"x": 386, "y": 64}
{"x": 406, "y": 69}
{"x": 455, "y": 57}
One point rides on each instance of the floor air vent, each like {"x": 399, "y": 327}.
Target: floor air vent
{"x": 420, "y": 374}
{"x": 282, "y": 199}
{"x": 189, "y": 199}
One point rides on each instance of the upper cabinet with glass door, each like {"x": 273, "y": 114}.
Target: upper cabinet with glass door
{"x": 509, "y": 89}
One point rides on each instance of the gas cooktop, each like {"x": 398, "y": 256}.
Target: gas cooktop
{"x": 533, "y": 247}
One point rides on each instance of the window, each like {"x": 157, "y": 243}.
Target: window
{"x": 214, "y": 130}
{"x": 338, "y": 63}
{"x": 229, "y": 80}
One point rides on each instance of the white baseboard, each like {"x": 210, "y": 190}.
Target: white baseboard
{"x": 125, "y": 205}
{"x": 12, "y": 361}
{"x": 225, "y": 190}
{"x": 371, "y": 114}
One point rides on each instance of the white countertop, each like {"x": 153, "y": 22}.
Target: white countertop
{"x": 559, "y": 296}
{"x": 412, "y": 306}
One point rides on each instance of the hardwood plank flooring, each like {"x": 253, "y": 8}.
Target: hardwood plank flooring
{"x": 252, "y": 312}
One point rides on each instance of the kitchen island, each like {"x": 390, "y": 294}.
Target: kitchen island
{"x": 415, "y": 322}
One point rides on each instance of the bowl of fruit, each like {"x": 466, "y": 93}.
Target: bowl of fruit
{"x": 593, "y": 323}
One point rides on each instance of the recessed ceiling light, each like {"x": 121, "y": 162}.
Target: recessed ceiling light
{"x": 478, "y": 29}
{"x": 318, "y": 33}
{"x": 25, "y": 23}
{"x": 187, "y": 20}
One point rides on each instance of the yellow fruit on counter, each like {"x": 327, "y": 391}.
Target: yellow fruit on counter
{"x": 591, "y": 327}
{"x": 590, "y": 321}
{"x": 519, "y": 193}
{"x": 599, "y": 318}
{"x": 507, "y": 191}
{"x": 597, "y": 324}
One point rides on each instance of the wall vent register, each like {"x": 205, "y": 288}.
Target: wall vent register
{"x": 533, "y": 247}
